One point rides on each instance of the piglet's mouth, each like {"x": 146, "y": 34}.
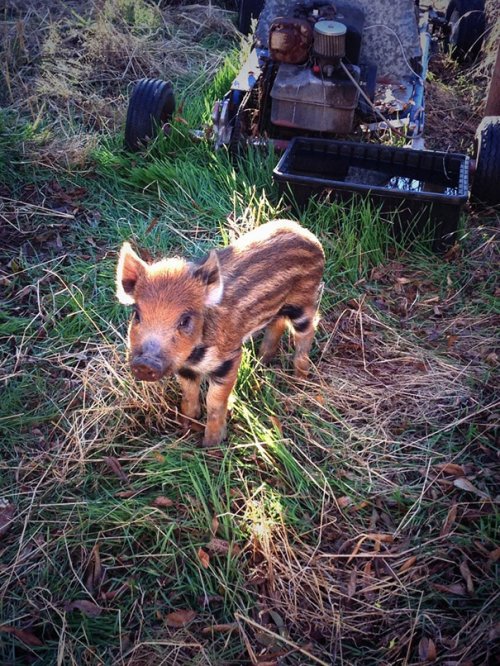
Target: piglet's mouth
{"x": 149, "y": 369}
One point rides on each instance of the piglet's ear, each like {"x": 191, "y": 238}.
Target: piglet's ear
{"x": 210, "y": 275}
{"x": 130, "y": 268}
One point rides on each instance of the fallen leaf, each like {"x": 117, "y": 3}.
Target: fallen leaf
{"x": 344, "y": 501}
{"x": 407, "y": 564}
{"x": 451, "y": 340}
{"x": 277, "y": 424}
{"x": 382, "y": 538}
{"x": 451, "y": 468}
{"x": 222, "y": 547}
{"x": 88, "y": 608}
{"x": 180, "y": 618}
{"x": 7, "y": 513}
{"x": 277, "y": 619}
{"x": 215, "y": 525}
{"x": 126, "y": 494}
{"x": 162, "y": 502}
{"x": 25, "y": 636}
{"x": 456, "y": 588}
{"x": 450, "y": 519}
{"x": 351, "y": 586}
{"x": 220, "y": 628}
{"x": 466, "y": 573}
{"x": 113, "y": 594}
{"x": 152, "y": 225}
{"x": 115, "y": 467}
{"x": 361, "y": 505}
{"x": 204, "y": 558}
{"x": 465, "y": 484}
{"x": 427, "y": 649}
{"x": 494, "y": 556}
{"x": 356, "y": 549}
{"x": 94, "y": 571}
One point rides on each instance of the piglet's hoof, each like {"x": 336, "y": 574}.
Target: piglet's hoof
{"x": 189, "y": 425}
{"x": 213, "y": 439}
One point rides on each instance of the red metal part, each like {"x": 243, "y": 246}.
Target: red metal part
{"x": 290, "y": 40}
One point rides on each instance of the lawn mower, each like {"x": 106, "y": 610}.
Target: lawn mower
{"x": 323, "y": 80}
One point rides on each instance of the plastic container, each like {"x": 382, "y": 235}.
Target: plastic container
{"x": 420, "y": 186}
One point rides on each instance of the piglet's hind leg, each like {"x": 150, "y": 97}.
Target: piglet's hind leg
{"x": 304, "y": 329}
{"x": 271, "y": 339}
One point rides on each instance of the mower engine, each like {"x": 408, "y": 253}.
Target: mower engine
{"x": 312, "y": 89}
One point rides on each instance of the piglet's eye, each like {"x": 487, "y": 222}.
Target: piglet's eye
{"x": 185, "y": 322}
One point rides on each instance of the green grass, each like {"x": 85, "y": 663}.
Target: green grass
{"x": 310, "y": 470}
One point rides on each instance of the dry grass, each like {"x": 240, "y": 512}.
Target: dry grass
{"x": 108, "y": 406}
{"x": 350, "y": 582}
{"x": 355, "y": 512}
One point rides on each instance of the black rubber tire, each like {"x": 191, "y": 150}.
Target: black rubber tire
{"x": 247, "y": 10}
{"x": 152, "y": 104}
{"x": 467, "y": 20}
{"x": 486, "y": 183}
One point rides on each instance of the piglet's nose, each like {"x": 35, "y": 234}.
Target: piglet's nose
{"x": 147, "y": 369}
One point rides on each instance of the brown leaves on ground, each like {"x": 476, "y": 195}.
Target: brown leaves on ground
{"x": 162, "y": 502}
{"x": 466, "y": 573}
{"x": 216, "y": 546}
{"x": 465, "y": 484}
{"x": 115, "y": 466}
{"x": 450, "y": 468}
{"x": 220, "y": 629}
{"x": 449, "y": 475}
{"x": 204, "y": 558}
{"x": 95, "y": 572}
{"x": 455, "y": 588}
{"x": 88, "y": 608}
{"x": 427, "y": 650}
{"x": 408, "y": 564}
{"x": 180, "y": 618}
{"x": 222, "y": 547}
{"x": 25, "y": 636}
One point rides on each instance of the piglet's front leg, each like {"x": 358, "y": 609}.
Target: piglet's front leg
{"x": 190, "y": 406}
{"x": 221, "y": 383}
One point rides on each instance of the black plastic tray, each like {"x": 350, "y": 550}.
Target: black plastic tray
{"x": 421, "y": 186}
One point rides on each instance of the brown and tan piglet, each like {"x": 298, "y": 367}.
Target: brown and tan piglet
{"x": 191, "y": 318}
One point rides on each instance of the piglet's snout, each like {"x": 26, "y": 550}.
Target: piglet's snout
{"x": 149, "y": 363}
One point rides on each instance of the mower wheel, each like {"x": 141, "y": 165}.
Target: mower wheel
{"x": 248, "y": 10}
{"x": 486, "y": 183}
{"x": 151, "y": 105}
{"x": 467, "y": 23}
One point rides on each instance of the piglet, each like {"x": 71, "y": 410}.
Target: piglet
{"x": 190, "y": 318}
